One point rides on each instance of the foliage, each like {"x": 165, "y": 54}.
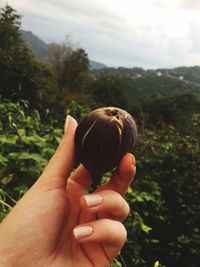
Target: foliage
{"x": 21, "y": 74}
{"x": 26, "y": 145}
{"x": 69, "y": 66}
{"x": 107, "y": 90}
{"x": 166, "y": 196}
{"x": 163, "y": 226}
{"x": 176, "y": 109}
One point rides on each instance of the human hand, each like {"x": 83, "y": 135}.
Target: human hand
{"x": 56, "y": 224}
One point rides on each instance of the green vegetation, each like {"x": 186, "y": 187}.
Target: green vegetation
{"x": 163, "y": 226}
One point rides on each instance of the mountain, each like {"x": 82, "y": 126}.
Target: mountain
{"x": 94, "y": 65}
{"x": 40, "y": 49}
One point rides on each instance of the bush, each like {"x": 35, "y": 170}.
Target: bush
{"x": 166, "y": 196}
{"x": 26, "y": 145}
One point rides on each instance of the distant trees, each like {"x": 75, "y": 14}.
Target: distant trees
{"x": 176, "y": 109}
{"x": 57, "y": 54}
{"x": 70, "y": 67}
{"x": 109, "y": 90}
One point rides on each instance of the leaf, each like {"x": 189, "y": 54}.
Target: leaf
{"x": 146, "y": 228}
{"x": 7, "y": 179}
{"x": 155, "y": 241}
{"x": 3, "y": 160}
{"x": 130, "y": 190}
{"x": 5, "y": 139}
{"x": 2, "y": 215}
{"x": 139, "y": 199}
{"x": 21, "y": 188}
{"x": 27, "y": 156}
{"x": 34, "y": 140}
{"x": 156, "y": 264}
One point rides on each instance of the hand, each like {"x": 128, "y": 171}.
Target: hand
{"x": 56, "y": 224}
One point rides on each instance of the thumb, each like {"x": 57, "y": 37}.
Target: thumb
{"x": 61, "y": 163}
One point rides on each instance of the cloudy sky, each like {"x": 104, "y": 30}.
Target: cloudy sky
{"x": 128, "y": 33}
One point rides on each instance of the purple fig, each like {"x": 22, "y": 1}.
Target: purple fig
{"x": 102, "y": 138}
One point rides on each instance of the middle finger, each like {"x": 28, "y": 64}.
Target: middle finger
{"x": 107, "y": 203}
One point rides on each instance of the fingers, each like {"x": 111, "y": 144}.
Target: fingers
{"x": 61, "y": 163}
{"x": 119, "y": 182}
{"x": 123, "y": 176}
{"x": 107, "y": 203}
{"x": 107, "y": 231}
{"x": 81, "y": 177}
{"x": 102, "y": 234}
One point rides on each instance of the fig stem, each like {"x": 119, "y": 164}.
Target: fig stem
{"x": 112, "y": 112}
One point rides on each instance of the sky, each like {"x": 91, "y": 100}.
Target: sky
{"x": 119, "y": 33}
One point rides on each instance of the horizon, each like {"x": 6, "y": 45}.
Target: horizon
{"x": 183, "y": 66}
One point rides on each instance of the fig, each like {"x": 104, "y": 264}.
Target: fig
{"x": 102, "y": 138}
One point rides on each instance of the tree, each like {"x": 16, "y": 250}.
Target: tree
{"x": 57, "y": 55}
{"x": 21, "y": 74}
{"x": 10, "y": 23}
{"x": 69, "y": 66}
{"x": 75, "y": 68}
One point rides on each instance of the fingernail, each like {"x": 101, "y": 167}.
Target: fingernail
{"x": 82, "y": 231}
{"x": 67, "y": 120}
{"x": 133, "y": 159}
{"x": 93, "y": 200}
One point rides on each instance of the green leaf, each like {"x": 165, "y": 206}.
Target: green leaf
{"x": 3, "y": 160}
{"x": 21, "y": 188}
{"x": 7, "y": 179}
{"x": 156, "y": 264}
{"x": 27, "y": 156}
{"x": 35, "y": 140}
{"x": 22, "y": 132}
{"x": 146, "y": 228}
{"x": 8, "y": 139}
{"x": 155, "y": 241}
{"x": 2, "y": 215}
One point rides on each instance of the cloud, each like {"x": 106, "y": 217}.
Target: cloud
{"x": 178, "y": 4}
{"x": 146, "y": 33}
{"x": 190, "y": 4}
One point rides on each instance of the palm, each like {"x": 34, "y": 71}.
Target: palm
{"x": 70, "y": 215}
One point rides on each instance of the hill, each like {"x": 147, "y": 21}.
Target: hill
{"x": 169, "y": 93}
{"x": 40, "y": 49}
{"x": 94, "y": 65}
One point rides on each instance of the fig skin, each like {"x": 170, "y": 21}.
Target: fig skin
{"x": 102, "y": 138}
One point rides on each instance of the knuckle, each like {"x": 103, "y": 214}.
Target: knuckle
{"x": 122, "y": 233}
{"x": 127, "y": 208}
{"x": 60, "y": 146}
{"x": 123, "y": 210}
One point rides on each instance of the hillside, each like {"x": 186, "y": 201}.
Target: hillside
{"x": 40, "y": 49}
{"x": 141, "y": 85}
{"x": 180, "y": 75}
{"x": 162, "y": 90}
